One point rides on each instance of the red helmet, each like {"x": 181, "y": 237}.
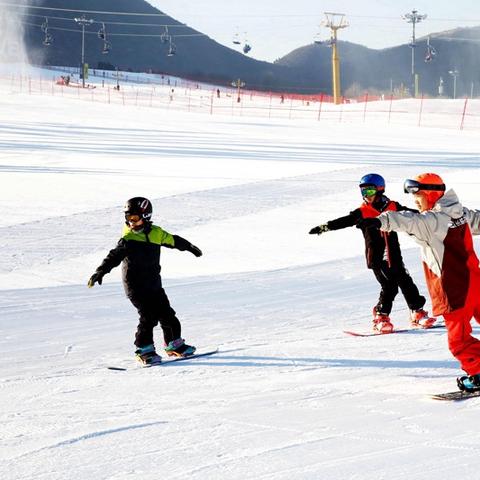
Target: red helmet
{"x": 430, "y": 180}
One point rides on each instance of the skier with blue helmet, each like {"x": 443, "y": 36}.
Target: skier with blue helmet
{"x": 383, "y": 255}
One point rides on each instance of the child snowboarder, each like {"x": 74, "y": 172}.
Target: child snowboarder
{"x": 139, "y": 250}
{"x": 444, "y": 229}
{"x": 383, "y": 256}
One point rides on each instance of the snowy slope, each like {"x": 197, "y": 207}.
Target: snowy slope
{"x": 289, "y": 395}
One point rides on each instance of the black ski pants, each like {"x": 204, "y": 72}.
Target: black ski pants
{"x": 391, "y": 279}
{"x": 154, "y": 308}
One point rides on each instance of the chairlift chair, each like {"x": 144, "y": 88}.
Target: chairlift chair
{"x": 165, "y": 37}
{"x": 172, "y": 49}
{"x": 48, "y": 40}
{"x": 246, "y": 48}
{"x": 107, "y": 46}
{"x": 44, "y": 27}
{"x": 317, "y": 39}
{"x": 430, "y": 53}
{"x": 101, "y": 33}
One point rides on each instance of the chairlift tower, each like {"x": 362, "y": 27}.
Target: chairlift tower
{"x": 414, "y": 17}
{"x": 335, "y": 22}
{"x": 83, "y": 22}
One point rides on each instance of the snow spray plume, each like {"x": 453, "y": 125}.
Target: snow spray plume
{"x": 12, "y": 47}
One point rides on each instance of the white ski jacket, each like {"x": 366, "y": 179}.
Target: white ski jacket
{"x": 445, "y": 236}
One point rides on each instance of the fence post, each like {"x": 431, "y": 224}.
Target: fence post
{"x": 341, "y": 111}
{"x": 421, "y": 109}
{"x": 390, "y": 108}
{"x": 463, "y": 114}
{"x": 365, "y": 106}
{"x": 320, "y": 106}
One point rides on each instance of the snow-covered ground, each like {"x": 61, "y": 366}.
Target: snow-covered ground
{"x": 289, "y": 396}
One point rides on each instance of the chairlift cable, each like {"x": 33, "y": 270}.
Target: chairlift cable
{"x": 116, "y": 34}
{"x": 133, "y": 24}
{"x": 289, "y": 15}
{"x": 89, "y": 12}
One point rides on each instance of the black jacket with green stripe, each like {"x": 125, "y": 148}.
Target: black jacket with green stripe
{"x": 140, "y": 254}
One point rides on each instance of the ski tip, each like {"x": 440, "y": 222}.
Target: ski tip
{"x": 454, "y": 396}
{"x": 362, "y": 334}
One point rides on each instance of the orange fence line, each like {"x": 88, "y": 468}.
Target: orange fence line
{"x": 254, "y": 103}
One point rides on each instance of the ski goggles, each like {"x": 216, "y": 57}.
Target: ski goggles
{"x": 412, "y": 186}
{"x": 368, "y": 190}
{"x": 132, "y": 218}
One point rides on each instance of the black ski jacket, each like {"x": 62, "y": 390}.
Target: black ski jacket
{"x": 375, "y": 240}
{"x": 140, "y": 254}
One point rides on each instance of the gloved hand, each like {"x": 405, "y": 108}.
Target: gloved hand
{"x": 97, "y": 277}
{"x": 195, "y": 250}
{"x": 369, "y": 223}
{"x": 319, "y": 230}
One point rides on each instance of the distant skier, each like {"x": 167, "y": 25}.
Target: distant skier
{"x": 444, "y": 229}
{"x": 139, "y": 250}
{"x": 383, "y": 256}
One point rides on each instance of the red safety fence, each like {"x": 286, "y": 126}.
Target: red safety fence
{"x": 156, "y": 91}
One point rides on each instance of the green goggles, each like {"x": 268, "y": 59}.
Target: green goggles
{"x": 368, "y": 191}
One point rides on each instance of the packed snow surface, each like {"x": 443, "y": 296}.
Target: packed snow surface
{"x": 289, "y": 395}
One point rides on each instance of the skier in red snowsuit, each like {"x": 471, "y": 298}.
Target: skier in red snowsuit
{"x": 444, "y": 230}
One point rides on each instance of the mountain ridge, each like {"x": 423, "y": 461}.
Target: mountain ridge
{"x": 306, "y": 69}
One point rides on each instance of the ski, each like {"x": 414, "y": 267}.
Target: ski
{"x": 399, "y": 330}
{"x": 167, "y": 360}
{"x": 455, "y": 396}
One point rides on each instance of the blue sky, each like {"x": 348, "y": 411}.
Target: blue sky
{"x": 274, "y": 27}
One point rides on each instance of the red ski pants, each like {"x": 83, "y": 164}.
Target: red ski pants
{"x": 464, "y": 347}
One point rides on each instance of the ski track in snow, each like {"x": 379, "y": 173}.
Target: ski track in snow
{"x": 87, "y": 436}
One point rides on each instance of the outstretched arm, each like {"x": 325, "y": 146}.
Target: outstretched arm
{"x": 181, "y": 244}
{"x": 420, "y": 225}
{"x": 112, "y": 260}
{"x": 342, "y": 222}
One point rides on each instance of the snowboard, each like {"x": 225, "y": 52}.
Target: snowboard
{"x": 167, "y": 360}
{"x": 455, "y": 396}
{"x": 397, "y": 330}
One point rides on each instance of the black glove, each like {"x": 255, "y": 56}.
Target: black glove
{"x": 319, "y": 230}
{"x": 97, "y": 277}
{"x": 369, "y": 223}
{"x": 195, "y": 250}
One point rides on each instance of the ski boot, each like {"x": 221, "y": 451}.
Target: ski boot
{"x": 381, "y": 322}
{"x": 420, "y": 319}
{"x": 147, "y": 355}
{"x": 178, "y": 348}
{"x": 469, "y": 384}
